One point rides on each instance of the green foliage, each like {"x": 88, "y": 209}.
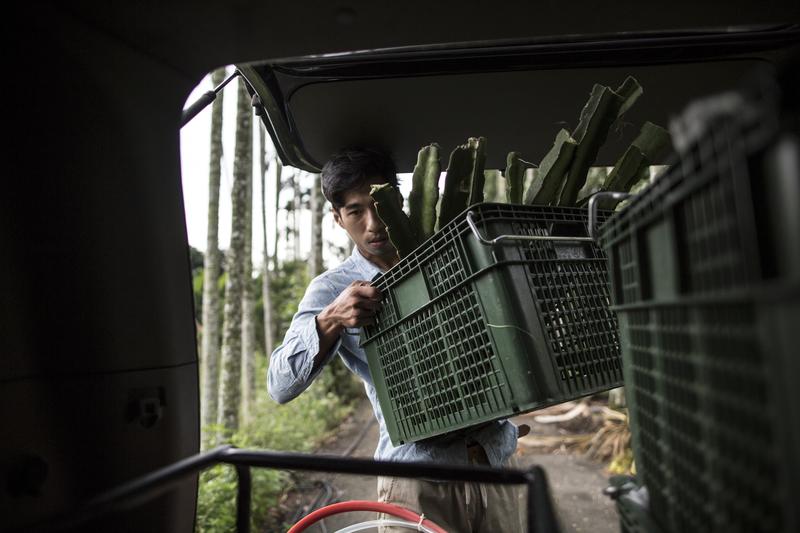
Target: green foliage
{"x": 196, "y": 259}
{"x": 297, "y": 426}
{"x": 287, "y": 287}
{"x": 197, "y": 291}
{"x": 216, "y": 504}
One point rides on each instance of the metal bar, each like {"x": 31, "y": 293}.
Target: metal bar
{"x": 243, "y": 498}
{"x": 341, "y": 465}
{"x": 496, "y": 240}
{"x": 201, "y": 103}
{"x": 619, "y": 196}
{"x": 541, "y": 516}
{"x": 149, "y": 486}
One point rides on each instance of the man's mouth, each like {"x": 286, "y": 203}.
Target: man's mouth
{"x": 379, "y": 240}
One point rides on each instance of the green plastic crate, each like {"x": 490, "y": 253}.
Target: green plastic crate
{"x": 705, "y": 284}
{"x": 471, "y": 333}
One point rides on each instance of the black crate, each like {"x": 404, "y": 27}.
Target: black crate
{"x": 704, "y": 271}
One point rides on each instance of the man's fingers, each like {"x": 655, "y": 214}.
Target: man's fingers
{"x": 361, "y": 320}
{"x": 367, "y": 291}
{"x": 360, "y": 312}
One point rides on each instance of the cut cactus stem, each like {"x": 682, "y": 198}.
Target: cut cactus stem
{"x": 629, "y": 91}
{"x": 389, "y": 207}
{"x": 654, "y": 142}
{"x": 599, "y": 113}
{"x": 456, "y": 185}
{"x": 552, "y": 170}
{"x": 476, "y": 178}
{"x": 424, "y": 192}
{"x": 515, "y": 177}
{"x": 627, "y": 170}
{"x": 494, "y": 188}
{"x": 651, "y": 145}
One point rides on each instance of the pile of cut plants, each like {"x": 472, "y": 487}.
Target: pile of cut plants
{"x": 563, "y": 177}
{"x": 588, "y": 428}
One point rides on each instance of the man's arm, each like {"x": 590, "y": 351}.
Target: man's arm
{"x": 315, "y": 334}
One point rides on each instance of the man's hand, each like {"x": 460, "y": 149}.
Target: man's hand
{"x": 354, "y": 307}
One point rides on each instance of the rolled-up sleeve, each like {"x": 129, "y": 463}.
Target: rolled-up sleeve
{"x": 291, "y": 364}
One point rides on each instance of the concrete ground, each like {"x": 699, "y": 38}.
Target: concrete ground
{"x": 576, "y": 484}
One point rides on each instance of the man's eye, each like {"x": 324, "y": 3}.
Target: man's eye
{"x": 355, "y": 213}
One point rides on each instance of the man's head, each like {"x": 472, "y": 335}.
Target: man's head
{"x": 351, "y": 168}
{"x": 346, "y": 181}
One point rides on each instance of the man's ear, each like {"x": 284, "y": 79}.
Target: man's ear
{"x": 337, "y": 216}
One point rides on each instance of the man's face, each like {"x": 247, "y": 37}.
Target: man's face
{"x": 358, "y": 217}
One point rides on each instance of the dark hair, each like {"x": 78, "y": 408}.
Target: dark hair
{"x": 349, "y": 169}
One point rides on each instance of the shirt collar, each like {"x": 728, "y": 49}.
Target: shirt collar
{"x": 368, "y": 269}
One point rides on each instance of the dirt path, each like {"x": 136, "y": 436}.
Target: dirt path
{"x": 576, "y": 484}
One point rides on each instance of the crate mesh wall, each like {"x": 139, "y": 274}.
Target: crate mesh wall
{"x": 573, "y": 298}
{"x": 703, "y": 408}
{"x": 441, "y": 366}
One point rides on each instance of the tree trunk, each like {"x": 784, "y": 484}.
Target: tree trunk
{"x": 209, "y": 351}
{"x": 290, "y": 207}
{"x": 269, "y": 340}
{"x": 248, "y": 304}
{"x": 297, "y": 215}
{"x": 276, "y": 233}
{"x": 230, "y": 379}
{"x": 317, "y": 204}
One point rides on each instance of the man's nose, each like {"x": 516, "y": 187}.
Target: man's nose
{"x": 374, "y": 222}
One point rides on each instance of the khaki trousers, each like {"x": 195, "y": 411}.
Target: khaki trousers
{"x": 458, "y": 507}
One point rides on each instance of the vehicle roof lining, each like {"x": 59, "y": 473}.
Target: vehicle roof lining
{"x": 517, "y": 95}
{"x": 520, "y": 111}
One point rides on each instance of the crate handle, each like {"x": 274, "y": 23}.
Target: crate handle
{"x": 593, "y": 207}
{"x": 488, "y": 242}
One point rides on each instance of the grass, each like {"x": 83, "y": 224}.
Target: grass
{"x": 298, "y": 426}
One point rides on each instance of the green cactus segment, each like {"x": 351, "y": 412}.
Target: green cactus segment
{"x": 424, "y": 192}
{"x": 552, "y": 169}
{"x": 629, "y": 91}
{"x": 597, "y": 116}
{"x": 627, "y": 171}
{"x": 457, "y": 183}
{"x": 494, "y": 189}
{"x": 515, "y": 177}
{"x": 654, "y": 142}
{"x": 390, "y": 211}
{"x": 650, "y": 146}
{"x": 476, "y": 178}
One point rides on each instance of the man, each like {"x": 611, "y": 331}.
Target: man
{"x": 342, "y": 299}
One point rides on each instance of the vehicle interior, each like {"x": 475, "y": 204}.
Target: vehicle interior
{"x": 94, "y": 393}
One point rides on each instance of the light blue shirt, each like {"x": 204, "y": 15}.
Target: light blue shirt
{"x": 290, "y": 373}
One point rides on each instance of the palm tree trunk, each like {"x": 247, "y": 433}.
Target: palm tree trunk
{"x": 276, "y": 233}
{"x": 230, "y": 378}
{"x": 317, "y": 202}
{"x": 248, "y": 305}
{"x": 265, "y": 274}
{"x": 209, "y": 351}
{"x": 297, "y": 215}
